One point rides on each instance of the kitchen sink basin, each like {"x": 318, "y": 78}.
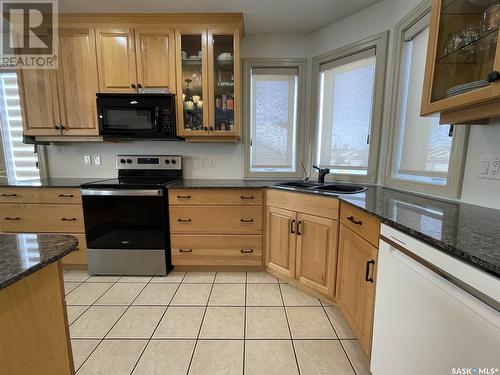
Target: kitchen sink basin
{"x": 341, "y": 189}
{"x": 297, "y": 184}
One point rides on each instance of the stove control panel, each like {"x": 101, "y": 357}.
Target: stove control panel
{"x": 172, "y": 162}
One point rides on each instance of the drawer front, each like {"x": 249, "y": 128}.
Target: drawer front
{"x": 216, "y": 220}
{"x": 42, "y": 218}
{"x": 366, "y": 225}
{"x": 40, "y": 195}
{"x": 215, "y": 197}
{"x": 217, "y": 250}
{"x": 80, "y": 255}
{"x": 16, "y": 195}
{"x": 57, "y": 195}
{"x": 306, "y": 203}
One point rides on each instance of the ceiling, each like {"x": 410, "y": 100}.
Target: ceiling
{"x": 261, "y": 16}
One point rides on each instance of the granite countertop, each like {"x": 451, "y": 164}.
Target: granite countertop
{"x": 220, "y": 184}
{"x": 23, "y": 254}
{"x": 48, "y": 182}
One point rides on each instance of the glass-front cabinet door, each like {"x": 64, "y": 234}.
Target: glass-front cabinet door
{"x": 463, "y": 59}
{"x": 192, "y": 82}
{"x": 224, "y": 69}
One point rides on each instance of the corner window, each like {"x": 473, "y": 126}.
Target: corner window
{"x": 349, "y": 109}
{"x": 19, "y": 161}
{"x": 426, "y": 155}
{"x": 273, "y": 112}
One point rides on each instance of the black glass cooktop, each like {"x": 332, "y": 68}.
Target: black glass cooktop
{"x": 131, "y": 182}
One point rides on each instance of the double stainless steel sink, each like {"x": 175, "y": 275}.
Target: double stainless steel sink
{"x": 330, "y": 188}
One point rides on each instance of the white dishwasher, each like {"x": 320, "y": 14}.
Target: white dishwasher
{"x": 433, "y": 313}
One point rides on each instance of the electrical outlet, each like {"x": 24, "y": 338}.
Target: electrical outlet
{"x": 97, "y": 160}
{"x": 87, "y": 160}
{"x": 489, "y": 169}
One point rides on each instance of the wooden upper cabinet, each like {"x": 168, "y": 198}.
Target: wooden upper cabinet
{"x": 77, "y": 81}
{"x": 116, "y": 60}
{"x": 155, "y": 56}
{"x": 281, "y": 240}
{"x": 39, "y": 102}
{"x": 317, "y": 253}
{"x": 462, "y": 82}
{"x": 355, "y": 292}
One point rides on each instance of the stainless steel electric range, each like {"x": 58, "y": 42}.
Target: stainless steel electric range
{"x": 126, "y": 219}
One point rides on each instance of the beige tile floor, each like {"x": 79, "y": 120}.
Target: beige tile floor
{"x": 205, "y": 323}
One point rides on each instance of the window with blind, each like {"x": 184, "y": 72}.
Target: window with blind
{"x": 349, "y": 109}
{"x": 273, "y": 115}
{"x": 20, "y": 161}
{"x": 424, "y": 153}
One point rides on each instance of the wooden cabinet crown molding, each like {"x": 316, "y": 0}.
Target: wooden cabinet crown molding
{"x": 232, "y": 20}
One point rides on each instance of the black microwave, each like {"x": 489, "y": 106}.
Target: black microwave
{"x": 141, "y": 116}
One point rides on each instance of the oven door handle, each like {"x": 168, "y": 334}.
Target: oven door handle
{"x": 123, "y": 192}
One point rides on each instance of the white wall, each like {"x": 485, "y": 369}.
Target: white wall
{"x": 66, "y": 160}
{"x": 484, "y": 141}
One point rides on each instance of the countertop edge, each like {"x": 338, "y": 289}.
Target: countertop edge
{"x": 13, "y": 279}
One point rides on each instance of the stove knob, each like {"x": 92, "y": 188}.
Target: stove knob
{"x": 122, "y": 161}
{"x": 173, "y": 161}
{"x": 167, "y": 161}
{"x": 129, "y": 161}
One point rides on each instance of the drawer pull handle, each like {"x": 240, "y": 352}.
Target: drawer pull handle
{"x": 8, "y": 195}
{"x": 247, "y": 197}
{"x": 184, "y": 220}
{"x": 246, "y": 220}
{"x": 68, "y": 219}
{"x": 66, "y": 195}
{"x": 183, "y": 197}
{"x": 298, "y": 228}
{"x": 246, "y": 251}
{"x": 367, "y": 272}
{"x": 354, "y": 221}
{"x": 12, "y": 218}
{"x": 185, "y": 250}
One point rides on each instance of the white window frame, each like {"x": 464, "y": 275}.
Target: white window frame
{"x": 296, "y": 63}
{"x": 413, "y": 23}
{"x": 379, "y": 43}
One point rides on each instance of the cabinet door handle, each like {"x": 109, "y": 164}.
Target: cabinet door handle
{"x": 246, "y": 220}
{"x": 292, "y": 227}
{"x": 247, "y": 197}
{"x": 184, "y": 220}
{"x": 493, "y": 76}
{"x": 246, "y": 251}
{"x": 132, "y": 85}
{"x": 367, "y": 272}
{"x": 11, "y": 218}
{"x": 66, "y": 195}
{"x": 298, "y": 228}
{"x": 183, "y": 197}
{"x": 205, "y": 128}
{"x": 354, "y": 221}
{"x": 185, "y": 250}
{"x": 68, "y": 219}
{"x": 139, "y": 85}
{"x": 8, "y": 195}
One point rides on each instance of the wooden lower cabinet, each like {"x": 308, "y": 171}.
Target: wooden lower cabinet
{"x": 355, "y": 295}
{"x": 78, "y": 257}
{"x": 317, "y": 252}
{"x": 281, "y": 240}
{"x": 216, "y": 250}
{"x": 302, "y": 247}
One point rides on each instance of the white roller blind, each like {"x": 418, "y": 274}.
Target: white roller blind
{"x": 425, "y": 146}
{"x": 20, "y": 159}
{"x": 273, "y": 120}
